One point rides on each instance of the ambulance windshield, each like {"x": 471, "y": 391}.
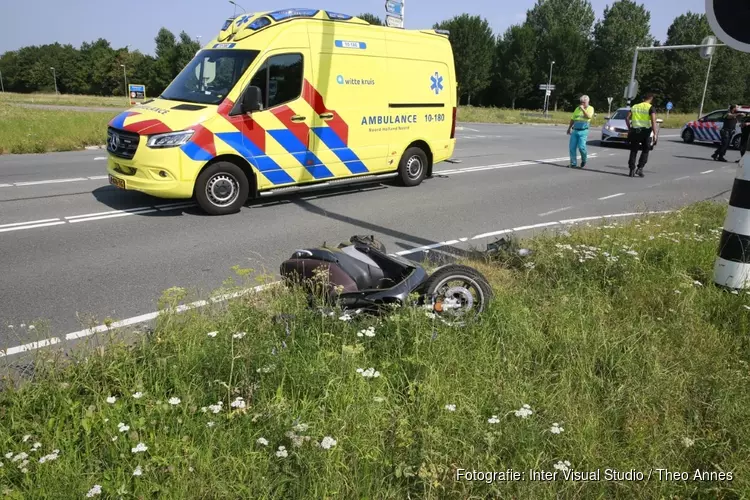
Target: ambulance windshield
{"x": 210, "y": 76}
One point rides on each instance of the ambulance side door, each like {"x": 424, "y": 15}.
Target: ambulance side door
{"x": 286, "y": 118}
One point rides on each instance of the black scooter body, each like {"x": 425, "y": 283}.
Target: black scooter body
{"x": 356, "y": 275}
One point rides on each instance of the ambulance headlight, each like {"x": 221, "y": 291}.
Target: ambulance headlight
{"x": 170, "y": 139}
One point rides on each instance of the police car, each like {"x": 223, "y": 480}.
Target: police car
{"x": 615, "y": 129}
{"x": 708, "y": 128}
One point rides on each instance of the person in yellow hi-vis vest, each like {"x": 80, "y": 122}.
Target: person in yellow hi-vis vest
{"x": 579, "y": 123}
{"x": 641, "y": 122}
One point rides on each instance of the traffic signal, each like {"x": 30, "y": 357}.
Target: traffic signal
{"x": 728, "y": 20}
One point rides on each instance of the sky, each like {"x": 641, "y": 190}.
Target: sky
{"x": 136, "y": 22}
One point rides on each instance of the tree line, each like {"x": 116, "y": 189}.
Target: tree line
{"x": 590, "y": 56}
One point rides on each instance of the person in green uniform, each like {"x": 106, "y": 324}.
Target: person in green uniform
{"x": 641, "y": 122}
{"x": 579, "y": 124}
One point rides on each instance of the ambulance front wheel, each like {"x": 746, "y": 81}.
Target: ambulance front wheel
{"x": 413, "y": 166}
{"x": 222, "y": 188}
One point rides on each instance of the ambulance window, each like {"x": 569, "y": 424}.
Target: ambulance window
{"x": 280, "y": 79}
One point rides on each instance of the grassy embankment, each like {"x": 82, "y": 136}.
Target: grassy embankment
{"x": 613, "y": 333}
{"x": 33, "y": 130}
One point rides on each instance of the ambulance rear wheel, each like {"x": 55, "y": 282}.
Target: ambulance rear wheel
{"x": 222, "y": 188}
{"x": 413, "y": 167}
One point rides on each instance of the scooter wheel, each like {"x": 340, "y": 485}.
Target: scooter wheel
{"x": 471, "y": 291}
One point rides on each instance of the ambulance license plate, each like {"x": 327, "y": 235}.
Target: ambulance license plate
{"x": 116, "y": 182}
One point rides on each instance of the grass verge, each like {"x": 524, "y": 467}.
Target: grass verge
{"x": 472, "y": 114}
{"x": 64, "y": 100}
{"x": 614, "y": 333}
{"x": 30, "y": 130}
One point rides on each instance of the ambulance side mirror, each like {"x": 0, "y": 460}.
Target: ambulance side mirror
{"x": 252, "y": 100}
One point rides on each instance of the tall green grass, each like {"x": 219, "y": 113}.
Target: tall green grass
{"x": 64, "y": 99}
{"x": 31, "y": 130}
{"x": 615, "y": 333}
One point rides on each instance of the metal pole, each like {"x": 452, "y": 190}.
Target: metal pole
{"x": 54, "y": 75}
{"x": 548, "y": 92}
{"x": 2, "y": 87}
{"x": 125, "y": 77}
{"x": 632, "y": 73}
{"x": 705, "y": 87}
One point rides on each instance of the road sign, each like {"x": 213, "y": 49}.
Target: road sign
{"x": 670, "y": 106}
{"x": 548, "y": 93}
{"x": 394, "y": 22}
{"x": 609, "y": 100}
{"x": 137, "y": 91}
{"x": 544, "y": 86}
{"x": 728, "y": 19}
{"x": 707, "y": 52}
{"x": 394, "y": 8}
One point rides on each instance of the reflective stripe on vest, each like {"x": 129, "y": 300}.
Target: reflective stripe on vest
{"x": 640, "y": 117}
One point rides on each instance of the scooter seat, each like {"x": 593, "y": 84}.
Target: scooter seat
{"x": 363, "y": 270}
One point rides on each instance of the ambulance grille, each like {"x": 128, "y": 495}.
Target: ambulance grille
{"x": 122, "y": 144}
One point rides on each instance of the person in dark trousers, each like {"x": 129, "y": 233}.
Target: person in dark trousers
{"x": 730, "y": 123}
{"x": 641, "y": 122}
{"x": 745, "y": 127}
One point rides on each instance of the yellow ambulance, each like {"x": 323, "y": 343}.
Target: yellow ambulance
{"x": 291, "y": 100}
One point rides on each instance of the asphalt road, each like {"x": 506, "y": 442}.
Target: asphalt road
{"x": 69, "y": 260}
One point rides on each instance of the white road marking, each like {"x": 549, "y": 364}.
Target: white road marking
{"x": 611, "y": 196}
{"x": 100, "y": 158}
{"x": 555, "y": 211}
{"x": 29, "y": 222}
{"x": 671, "y": 135}
{"x": 223, "y": 298}
{"x": 50, "y": 181}
{"x": 706, "y": 172}
{"x": 118, "y": 214}
{"x": 6, "y": 185}
{"x": 32, "y": 226}
{"x": 98, "y": 177}
{"x": 681, "y": 178}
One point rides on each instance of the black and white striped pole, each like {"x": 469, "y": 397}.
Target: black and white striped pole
{"x": 732, "y": 268}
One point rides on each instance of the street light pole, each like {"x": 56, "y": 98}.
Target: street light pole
{"x": 2, "y": 87}
{"x": 705, "y": 87}
{"x": 54, "y": 75}
{"x": 548, "y": 92}
{"x": 235, "y": 8}
{"x": 125, "y": 77}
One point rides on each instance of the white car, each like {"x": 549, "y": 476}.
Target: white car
{"x": 707, "y": 128}
{"x": 615, "y": 130}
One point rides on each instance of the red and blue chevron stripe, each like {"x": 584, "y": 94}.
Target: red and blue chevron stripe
{"x": 145, "y": 127}
{"x": 295, "y": 139}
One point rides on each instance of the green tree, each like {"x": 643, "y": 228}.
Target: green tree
{"x": 514, "y": 64}
{"x": 371, "y": 18}
{"x": 473, "y": 49}
{"x": 563, "y": 32}
{"x": 685, "y": 70}
{"x": 624, "y": 26}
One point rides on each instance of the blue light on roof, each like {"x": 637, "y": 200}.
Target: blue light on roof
{"x": 258, "y": 24}
{"x": 340, "y": 17}
{"x": 280, "y": 15}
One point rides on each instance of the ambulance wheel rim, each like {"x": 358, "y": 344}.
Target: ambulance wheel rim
{"x": 222, "y": 189}
{"x": 414, "y": 167}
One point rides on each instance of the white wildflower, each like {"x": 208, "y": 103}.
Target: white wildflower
{"x": 378, "y": 399}
{"x": 746, "y": 307}
{"x": 450, "y": 407}
{"x": 26, "y": 437}
{"x": 9, "y": 454}
{"x": 50, "y": 457}
{"x": 345, "y": 317}
{"x": 212, "y": 334}
{"x": 138, "y": 395}
{"x": 301, "y": 427}
{"x": 281, "y": 453}
{"x": 493, "y": 419}
{"x": 369, "y": 373}
{"x": 96, "y": 490}
{"x": 122, "y": 427}
{"x": 530, "y": 265}
{"x": 556, "y": 429}
{"x": 735, "y": 292}
{"x": 697, "y": 283}
{"x": 369, "y": 332}
{"x": 32, "y": 327}
{"x": 677, "y": 292}
{"x": 238, "y": 403}
{"x": 217, "y": 407}
{"x": 262, "y": 441}
{"x": 687, "y": 442}
{"x": 174, "y": 401}
{"x": 210, "y": 424}
{"x": 266, "y": 369}
{"x": 21, "y": 456}
{"x": 111, "y": 399}
{"x": 137, "y": 471}
{"x": 328, "y": 442}
{"x": 524, "y": 412}
{"x": 239, "y": 335}
{"x": 430, "y": 315}
{"x": 36, "y": 446}
{"x": 140, "y": 447}
{"x": 114, "y": 438}
{"x": 562, "y": 466}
